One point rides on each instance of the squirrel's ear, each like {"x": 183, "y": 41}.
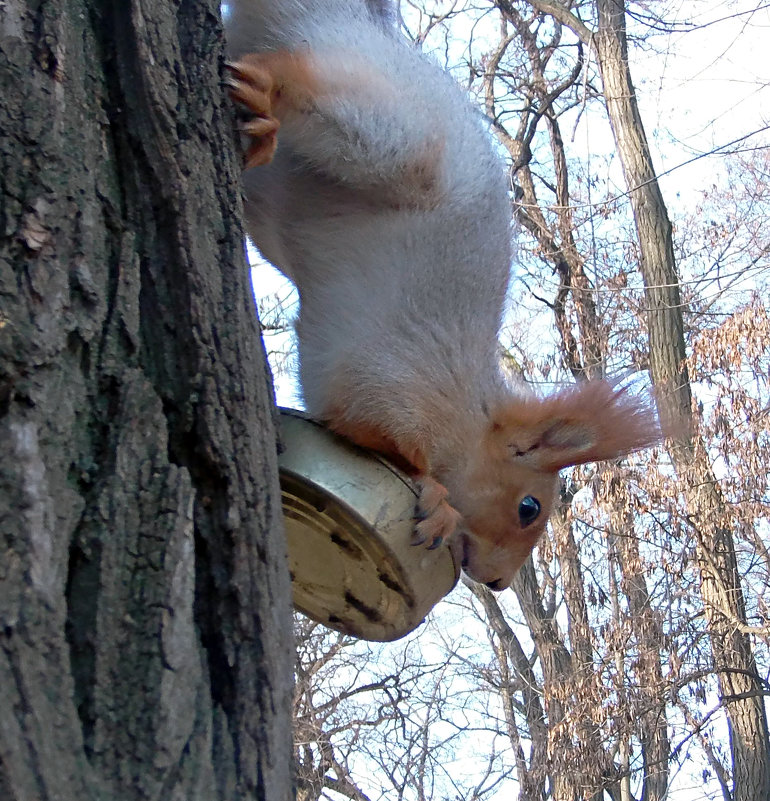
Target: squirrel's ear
{"x": 590, "y": 422}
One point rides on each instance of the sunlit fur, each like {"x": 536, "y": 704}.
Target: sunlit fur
{"x": 386, "y": 203}
{"x": 524, "y": 445}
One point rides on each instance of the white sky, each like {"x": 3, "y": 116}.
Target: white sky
{"x": 702, "y": 89}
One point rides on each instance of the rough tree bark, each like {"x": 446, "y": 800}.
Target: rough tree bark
{"x": 144, "y": 597}
{"x": 741, "y": 688}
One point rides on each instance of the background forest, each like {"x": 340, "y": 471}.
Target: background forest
{"x": 631, "y": 659}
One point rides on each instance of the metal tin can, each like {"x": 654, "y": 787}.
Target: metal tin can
{"x": 349, "y": 516}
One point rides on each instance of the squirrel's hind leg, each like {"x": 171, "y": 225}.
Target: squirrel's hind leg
{"x": 345, "y": 118}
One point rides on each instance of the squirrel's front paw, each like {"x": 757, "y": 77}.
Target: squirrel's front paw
{"x": 252, "y": 86}
{"x": 438, "y": 521}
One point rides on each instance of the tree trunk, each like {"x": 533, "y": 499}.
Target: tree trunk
{"x": 740, "y": 685}
{"x": 516, "y": 670}
{"x": 578, "y": 765}
{"x": 144, "y": 596}
{"x": 648, "y": 712}
{"x": 656, "y": 248}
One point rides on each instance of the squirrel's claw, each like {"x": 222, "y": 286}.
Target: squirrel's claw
{"x": 437, "y": 520}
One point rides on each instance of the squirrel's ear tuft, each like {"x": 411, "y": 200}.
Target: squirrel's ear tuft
{"x": 587, "y": 423}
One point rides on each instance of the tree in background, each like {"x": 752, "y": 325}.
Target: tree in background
{"x": 144, "y": 595}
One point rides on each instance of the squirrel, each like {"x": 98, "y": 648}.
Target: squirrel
{"x": 372, "y": 184}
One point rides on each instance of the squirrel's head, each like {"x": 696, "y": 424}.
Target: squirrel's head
{"x": 506, "y": 489}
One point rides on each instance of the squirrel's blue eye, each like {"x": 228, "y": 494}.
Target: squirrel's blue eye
{"x": 529, "y": 510}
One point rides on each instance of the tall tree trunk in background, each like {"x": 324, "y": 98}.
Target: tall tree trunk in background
{"x": 578, "y": 765}
{"x": 648, "y": 704}
{"x": 144, "y": 596}
{"x": 534, "y": 768}
{"x": 740, "y": 686}
{"x": 667, "y": 353}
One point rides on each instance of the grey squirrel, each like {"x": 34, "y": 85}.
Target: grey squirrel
{"x": 373, "y": 186}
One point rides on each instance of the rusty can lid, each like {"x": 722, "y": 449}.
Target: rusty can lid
{"x": 349, "y": 516}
